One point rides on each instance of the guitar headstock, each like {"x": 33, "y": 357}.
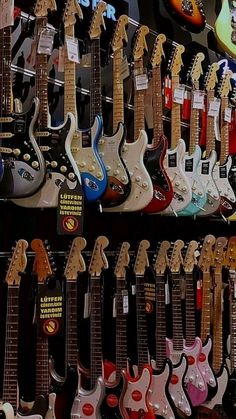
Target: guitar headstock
{"x": 219, "y": 253}
{"x": 190, "y": 259}
{"x": 72, "y": 8}
{"x": 196, "y": 69}
{"x": 176, "y": 260}
{"x": 212, "y": 79}
{"x": 75, "y": 261}
{"x": 17, "y": 263}
{"x": 141, "y": 261}
{"x": 225, "y": 86}
{"x": 98, "y": 260}
{"x": 206, "y": 256}
{"x": 177, "y": 62}
{"x": 42, "y": 266}
{"x": 230, "y": 254}
{"x": 162, "y": 260}
{"x": 158, "y": 51}
{"x": 140, "y": 45}
{"x": 43, "y": 6}
{"x": 122, "y": 261}
{"x": 97, "y": 21}
{"x": 120, "y": 36}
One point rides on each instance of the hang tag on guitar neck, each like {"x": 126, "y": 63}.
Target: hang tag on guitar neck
{"x": 198, "y": 99}
{"x": 141, "y": 82}
{"x": 70, "y": 210}
{"x": 50, "y": 309}
{"x": 125, "y": 300}
{"x": 179, "y": 95}
{"x": 72, "y": 47}
{"x": 228, "y": 114}
{"x": 7, "y": 13}
{"x": 45, "y": 44}
{"x": 214, "y": 107}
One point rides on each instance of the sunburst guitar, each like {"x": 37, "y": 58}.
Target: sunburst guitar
{"x": 188, "y": 13}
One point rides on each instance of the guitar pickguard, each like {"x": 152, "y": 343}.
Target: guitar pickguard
{"x": 222, "y": 380}
{"x": 136, "y": 395}
{"x": 158, "y": 393}
{"x": 88, "y": 403}
{"x": 38, "y": 411}
{"x": 203, "y": 364}
{"x": 8, "y": 410}
{"x": 112, "y": 405}
{"x": 205, "y": 171}
{"x": 227, "y": 196}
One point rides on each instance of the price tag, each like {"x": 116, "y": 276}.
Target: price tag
{"x": 45, "y": 44}
{"x": 7, "y": 13}
{"x": 72, "y": 49}
{"x": 133, "y": 289}
{"x": 124, "y": 71}
{"x": 61, "y": 57}
{"x": 228, "y": 115}
{"x": 125, "y": 301}
{"x": 114, "y": 307}
{"x": 87, "y": 305}
{"x": 198, "y": 99}
{"x": 167, "y": 294}
{"x": 86, "y": 60}
{"x": 141, "y": 82}
{"x": 214, "y": 107}
{"x": 179, "y": 95}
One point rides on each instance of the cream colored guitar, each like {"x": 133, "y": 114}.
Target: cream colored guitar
{"x": 225, "y": 27}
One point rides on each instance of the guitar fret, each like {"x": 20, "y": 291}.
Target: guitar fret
{"x": 118, "y": 90}
{"x": 210, "y": 133}
{"x": 224, "y": 134}
{"x": 157, "y": 105}
{"x": 175, "y": 115}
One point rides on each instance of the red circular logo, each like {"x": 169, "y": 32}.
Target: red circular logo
{"x": 70, "y": 223}
{"x": 50, "y": 327}
{"x": 112, "y": 400}
{"x": 87, "y": 409}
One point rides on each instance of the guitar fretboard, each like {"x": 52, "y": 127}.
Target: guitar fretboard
{"x": 194, "y": 123}
{"x": 95, "y": 332}
{"x": 190, "y": 323}
{"x": 142, "y": 343}
{"x": 95, "y": 84}
{"x": 71, "y": 323}
{"x": 217, "y": 332}
{"x": 118, "y": 90}
{"x": 160, "y": 321}
{"x": 121, "y": 329}
{"x": 224, "y": 131}
{"x": 41, "y": 79}
{"x": 210, "y": 134}
{"x": 5, "y": 73}
{"x": 139, "y": 121}
{"x": 232, "y": 321}
{"x": 177, "y": 313}
{"x": 175, "y": 115}
{"x": 206, "y": 306}
{"x": 69, "y": 81}
{"x": 157, "y": 105}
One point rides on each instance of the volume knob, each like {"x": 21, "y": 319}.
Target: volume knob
{"x": 35, "y": 164}
{"x": 63, "y": 169}
{"x": 16, "y": 152}
{"x": 71, "y": 176}
{"x": 54, "y": 164}
{"x": 26, "y": 157}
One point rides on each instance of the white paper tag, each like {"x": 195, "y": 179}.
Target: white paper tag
{"x": 228, "y": 115}
{"x": 214, "y": 107}
{"x": 61, "y": 56}
{"x": 45, "y": 44}
{"x": 179, "y": 95}
{"x": 7, "y": 13}
{"x": 86, "y": 60}
{"x": 72, "y": 49}
{"x": 167, "y": 293}
{"x": 133, "y": 289}
{"x": 198, "y": 99}
{"x": 87, "y": 305}
{"x": 125, "y": 301}
{"x": 141, "y": 82}
{"x": 114, "y": 307}
{"x": 124, "y": 71}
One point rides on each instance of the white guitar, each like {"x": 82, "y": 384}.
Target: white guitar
{"x": 133, "y": 153}
{"x": 175, "y": 155}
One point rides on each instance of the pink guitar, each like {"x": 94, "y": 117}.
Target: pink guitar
{"x": 136, "y": 400}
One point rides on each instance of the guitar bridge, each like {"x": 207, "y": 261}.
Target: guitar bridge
{"x": 187, "y": 7}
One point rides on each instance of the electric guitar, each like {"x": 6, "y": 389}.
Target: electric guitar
{"x": 197, "y": 393}
{"x": 193, "y": 157}
{"x": 88, "y": 402}
{"x": 207, "y": 164}
{"x": 84, "y": 144}
{"x": 22, "y": 169}
{"x": 136, "y": 399}
{"x": 225, "y": 27}
{"x": 222, "y": 168}
{"x": 133, "y": 152}
{"x": 110, "y": 147}
{"x": 159, "y": 396}
{"x": 175, "y": 348}
{"x": 55, "y": 143}
{"x": 154, "y": 156}
{"x": 175, "y": 155}
{"x": 188, "y": 13}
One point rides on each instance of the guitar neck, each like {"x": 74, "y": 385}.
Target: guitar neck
{"x": 210, "y": 134}
{"x": 11, "y": 345}
{"x": 175, "y": 115}
{"x": 232, "y": 324}
{"x": 224, "y": 132}
{"x": 142, "y": 343}
{"x": 41, "y": 79}
{"x": 206, "y": 306}
{"x": 158, "y": 130}
{"x": 69, "y": 81}
{"x": 217, "y": 352}
{"x": 190, "y": 327}
{"x": 95, "y": 82}
{"x": 160, "y": 321}
{"x": 121, "y": 329}
{"x": 71, "y": 324}
{"x": 95, "y": 332}
{"x": 118, "y": 89}
{"x": 139, "y": 120}
{"x": 177, "y": 313}
{"x": 194, "y": 125}
{"x": 5, "y": 76}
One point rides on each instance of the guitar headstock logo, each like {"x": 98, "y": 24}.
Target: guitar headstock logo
{"x": 51, "y": 327}
{"x": 70, "y": 223}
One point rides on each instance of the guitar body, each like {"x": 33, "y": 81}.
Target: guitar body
{"x": 227, "y": 196}
{"x": 163, "y": 191}
{"x": 176, "y": 386}
{"x": 119, "y": 182}
{"x": 38, "y": 411}
{"x": 188, "y": 13}
{"x": 88, "y": 403}
{"x": 112, "y": 405}
{"x": 199, "y": 197}
{"x": 222, "y": 381}
{"x": 181, "y": 187}
{"x": 59, "y": 144}
{"x": 224, "y": 30}
{"x": 85, "y": 153}
{"x": 205, "y": 171}
{"x": 136, "y": 398}
{"x": 229, "y": 398}
{"x": 7, "y": 410}
{"x": 159, "y": 396}
{"x": 51, "y": 406}
{"x": 141, "y": 185}
{"x": 203, "y": 363}
{"x": 24, "y": 167}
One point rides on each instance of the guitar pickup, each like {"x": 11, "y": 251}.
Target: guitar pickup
{"x": 6, "y": 135}
{"x": 44, "y": 148}
{"x": 6, "y": 120}
{"x": 5, "y": 150}
{"x": 42, "y": 134}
